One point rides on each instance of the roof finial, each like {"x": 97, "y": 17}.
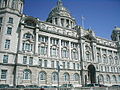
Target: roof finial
{"x": 59, "y": 3}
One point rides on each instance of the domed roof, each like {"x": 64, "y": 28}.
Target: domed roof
{"x": 60, "y": 10}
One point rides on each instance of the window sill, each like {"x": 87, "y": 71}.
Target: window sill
{"x": 3, "y": 79}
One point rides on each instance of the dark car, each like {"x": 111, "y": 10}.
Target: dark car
{"x": 32, "y": 86}
{"x": 67, "y": 85}
{"x": 20, "y": 86}
{"x": 4, "y": 86}
{"x": 115, "y": 85}
{"x": 45, "y": 86}
{"x": 92, "y": 85}
{"x": 101, "y": 85}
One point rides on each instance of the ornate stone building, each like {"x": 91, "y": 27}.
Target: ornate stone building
{"x": 31, "y": 50}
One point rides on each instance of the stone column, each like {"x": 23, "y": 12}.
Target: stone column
{"x": 60, "y": 48}
{"x": 21, "y": 37}
{"x": 107, "y": 62}
{"x": 53, "y": 20}
{"x": 94, "y": 52}
{"x": 83, "y": 51}
{"x": 48, "y": 46}
{"x": 59, "y": 21}
{"x": 36, "y": 41}
{"x": 79, "y": 54}
{"x": 101, "y": 55}
{"x": 70, "y": 50}
{"x": 70, "y": 24}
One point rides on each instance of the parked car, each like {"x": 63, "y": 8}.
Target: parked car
{"x": 45, "y": 87}
{"x": 115, "y": 85}
{"x": 101, "y": 85}
{"x": 67, "y": 85}
{"x": 32, "y": 86}
{"x": 4, "y": 86}
{"x": 92, "y": 85}
{"x": 11, "y": 87}
{"x": 20, "y": 86}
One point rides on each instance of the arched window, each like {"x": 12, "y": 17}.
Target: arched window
{"x": 116, "y": 60}
{"x": 14, "y": 4}
{"x": 88, "y": 56}
{"x": 66, "y": 77}
{"x": 105, "y": 59}
{"x": 54, "y": 76}
{"x": 28, "y": 36}
{"x": 76, "y": 77}
{"x": 30, "y": 23}
{"x": 4, "y": 3}
{"x": 98, "y": 58}
{"x": 114, "y": 79}
{"x": 27, "y": 74}
{"x": 54, "y": 51}
{"x": 111, "y": 59}
{"x": 108, "y": 78}
{"x": 65, "y": 53}
{"x": 27, "y": 46}
{"x": 42, "y": 49}
{"x": 101, "y": 79}
{"x": 42, "y": 76}
{"x": 74, "y": 54}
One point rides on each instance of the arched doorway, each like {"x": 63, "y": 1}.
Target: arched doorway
{"x": 92, "y": 73}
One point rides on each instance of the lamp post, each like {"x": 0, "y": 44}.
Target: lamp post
{"x": 58, "y": 68}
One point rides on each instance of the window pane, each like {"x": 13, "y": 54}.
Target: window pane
{"x": 10, "y": 20}
{"x": 7, "y": 44}
{"x": 1, "y": 19}
{"x": 24, "y": 59}
{"x": 9, "y": 30}
{"x": 5, "y": 59}
{"x": 31, "y": 61}
{"x": 45, "y": 63}
{"x": 3, "y": 74}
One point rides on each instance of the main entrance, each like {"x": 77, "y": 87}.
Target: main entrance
{"x": 92, "y": 73}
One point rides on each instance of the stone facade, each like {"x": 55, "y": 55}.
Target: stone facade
{"x": 32, "y": 50}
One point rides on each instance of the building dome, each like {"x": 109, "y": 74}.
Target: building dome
{"x": 60, "y": 11}
{"x": 61, "y": 16}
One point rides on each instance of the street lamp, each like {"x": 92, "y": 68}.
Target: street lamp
{"x": 58, "y": 68}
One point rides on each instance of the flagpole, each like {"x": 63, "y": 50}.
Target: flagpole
{"x": 82, "y": 18}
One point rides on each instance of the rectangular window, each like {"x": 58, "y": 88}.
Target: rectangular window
{"x": 24, "y": 59}
{"x": 42, "y": 50}
{"x": 1, "y": 19}
{"x": 0, "y": 29}
{"x": 73, "y": 65}
{"x": 45, "y": 63}
{"x": 9, "y": 30}
{"x": 5, "y": 59}
{"x": 40, "y": 62}
{"x": 31, "y": 61}
{"x": 27, "y": 47}
{"x": 3, "y": 74}
{"x": 42, "y": 38}
{"x": 7, "y": 44}
{"x": 63, "y": 65}
{"x": 68, "y": 65}
{"x": 57, "y": 64}
{"x": 52, "y": 64}
{"x": 78, "y": 66}
{"x": 10, "y": 20}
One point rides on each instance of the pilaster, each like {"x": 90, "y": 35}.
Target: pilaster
{"x": 48, "y": 46}
{"x": 70, "y": 50}
{"x": 36, "y": 41}
{"x": 21, "y": 37}
{"x": 59, "y": 48}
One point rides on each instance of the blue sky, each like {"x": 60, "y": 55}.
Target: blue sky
{"x": 100, "y": 15}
